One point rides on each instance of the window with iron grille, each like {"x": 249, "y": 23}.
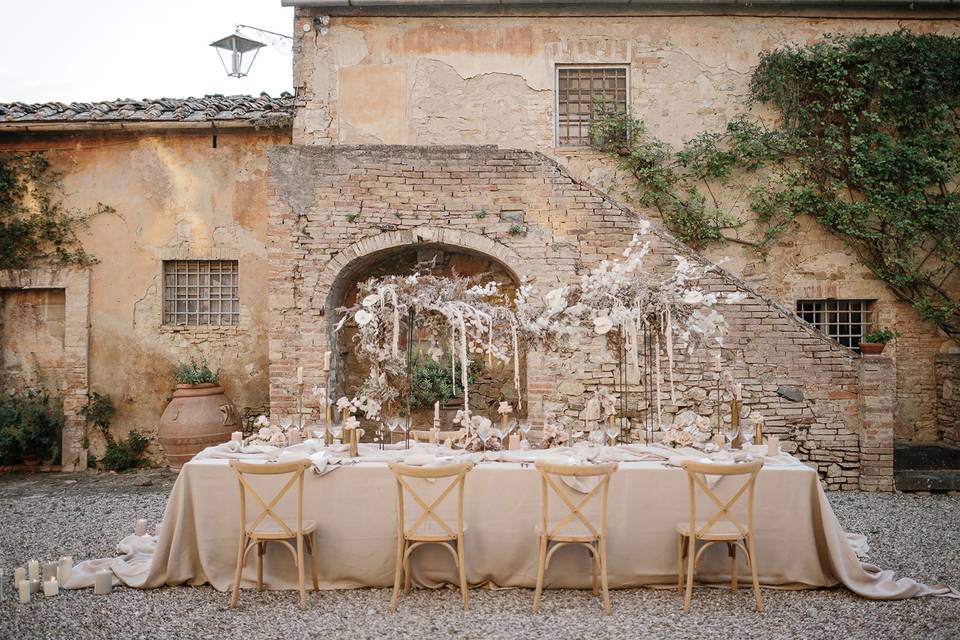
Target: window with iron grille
{"x": 197, "y": 292}
{"x": 846, "y": 321}
{"x": 581, "y": 91}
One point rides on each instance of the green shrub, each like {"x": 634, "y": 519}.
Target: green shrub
{"x": 432, "y": 382}
{"x": 99, "y": 410}
{"x": 195, "y": 372}
{"x": 882, "y": 336}
{"x": 31, "y": 421}
{"x": 125, "y": 454}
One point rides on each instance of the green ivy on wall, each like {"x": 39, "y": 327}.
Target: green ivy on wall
{"x": 867, "y": 143}
{"x": 35, "y": 227}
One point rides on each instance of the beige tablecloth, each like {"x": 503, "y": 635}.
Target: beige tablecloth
{"x": 799, "y": 542}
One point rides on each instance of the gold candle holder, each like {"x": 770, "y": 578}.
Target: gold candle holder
{"x": 735, "y": 421}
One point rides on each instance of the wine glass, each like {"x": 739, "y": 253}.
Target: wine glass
{"x": 730, "y": 431}
{"x": 525, "y": 426}
{"x": 336, "y": 430}
{"x": 501, "y": 432}
{"x": 613, "y": 430}
{"x": 747, "y": 430}
{"x": 483, "y": 432}
{"x": 596, "y": 437}
{"x": 392, "y": 424}
{"x": 320, "y": 432}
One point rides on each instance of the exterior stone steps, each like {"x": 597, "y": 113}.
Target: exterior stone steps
{"x": 926, "y": 467}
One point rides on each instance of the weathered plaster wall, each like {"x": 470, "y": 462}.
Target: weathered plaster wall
{"x": 334, "y": 207}
{"x": 490, "y": 80}
{"x": 176, "y": 197}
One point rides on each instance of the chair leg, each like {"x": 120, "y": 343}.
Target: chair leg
{"x": 594, "y": 564}
{"x": 300, "y": 572}
{"x": 691, "y": 554}
{"x": 463, "y": 573}
{"x": 239, "y": 571}
{"x": 603, "y": 575}
{"x": 681, "y": 545}
{"x": 732, "y": 550}
{"x": 407, "y": 572}
{"x": 314, "y": 567}
{"x": 261, "y": 548}
{"x": 398, "y": 573}
{"x": 752, "y": 559}
{"x": 540, "y": 570}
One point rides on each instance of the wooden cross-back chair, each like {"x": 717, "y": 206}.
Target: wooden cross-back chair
{"x": 429, "y": 527}
{"x": 591, "y": 535}
{"x": 268, "y": 526}
{"x": 723, "y": 526}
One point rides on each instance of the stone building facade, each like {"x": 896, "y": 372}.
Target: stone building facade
{"x": 437, "y": 73}
{"x": 409, "y": 120}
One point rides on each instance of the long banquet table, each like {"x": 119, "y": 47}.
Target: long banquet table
{"x": 799, "y": 542}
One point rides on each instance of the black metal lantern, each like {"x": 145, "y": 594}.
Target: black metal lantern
{"x": 233, "y": 52}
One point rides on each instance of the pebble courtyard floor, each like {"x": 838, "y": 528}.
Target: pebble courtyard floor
{"x": 46, "y": 515}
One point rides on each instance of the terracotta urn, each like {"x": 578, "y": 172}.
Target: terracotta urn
{"x": 198, "y": 416}
{"x": 872, "y": 348}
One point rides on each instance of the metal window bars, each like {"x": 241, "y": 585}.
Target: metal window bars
{"x": 201, "y": 292}
{"x": 579, "y": 89}
{"x": 846, "y": 321}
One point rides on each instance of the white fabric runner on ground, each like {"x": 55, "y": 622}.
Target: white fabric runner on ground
{"x": 800, "y": 543}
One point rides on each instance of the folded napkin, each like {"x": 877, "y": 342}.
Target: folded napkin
{"x": 231, "y": 449}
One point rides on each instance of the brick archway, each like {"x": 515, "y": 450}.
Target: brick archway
{"x": 364, "y": 252}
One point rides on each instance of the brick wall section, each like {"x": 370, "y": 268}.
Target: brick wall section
{"x": 878, "y": 392}
{"x": 948, "y": 397}
{"x": 330, "y": 207}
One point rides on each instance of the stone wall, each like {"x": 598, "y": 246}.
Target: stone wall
{"x": 176, "y": 197}
{"x": 333, "y": 207}
{"x": 948, "y": 397}
{"x": 443, "y": 79}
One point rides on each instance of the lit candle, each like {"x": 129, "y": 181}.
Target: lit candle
{"x": 773, "y": 446}
{"x": 51, "y": 587}
{"x": 140, "y": 527}
{"x": 436, "y": 411}
{"x": 49, "y": 570}
{"x": 299, "y": 375}
{"x": 35, "y": 586}
{"x": 514, "y": 441}
{"x": 64, "y": 569}
{"x": 102, "y": 583}
{"x": 33, "y": 569}
{"x": 237, "y": 436}
{"x": 24, "y": 587}
{"x": 326, "y": 361}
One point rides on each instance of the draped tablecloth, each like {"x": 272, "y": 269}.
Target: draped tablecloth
{"x": 799, "y": 542}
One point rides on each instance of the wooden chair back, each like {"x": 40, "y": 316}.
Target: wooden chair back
{"x": 456, "y": 473}
{"x": 574, "y": 512}
{"x": 697, "y": 473}
{"x": 295, "y": 469}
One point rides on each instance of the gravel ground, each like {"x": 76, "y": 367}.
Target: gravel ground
{"x": 45, "y": 515}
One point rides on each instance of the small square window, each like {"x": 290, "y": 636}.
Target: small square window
{"x": 846, "y": 321}
{"x": 581, "y": 91}
{"x": 201, "y": 292}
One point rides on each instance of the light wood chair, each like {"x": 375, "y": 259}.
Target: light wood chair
{"x": 574, "y": 527}
{"x": 722, "y": 526}
{"x": 428, "y": 527}
{"x": 423, "y": 435}
{"x": 269, "y": 526}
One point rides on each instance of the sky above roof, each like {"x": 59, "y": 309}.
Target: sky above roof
{"x": 88, "y": 50}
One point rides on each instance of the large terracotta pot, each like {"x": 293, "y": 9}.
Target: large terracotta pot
{"x": 200, "y": 415}
{"x": 872, "y": 348}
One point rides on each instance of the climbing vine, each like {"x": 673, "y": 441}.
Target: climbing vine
{"x": 35, "y": 227}
{"x": 867, "y": 142}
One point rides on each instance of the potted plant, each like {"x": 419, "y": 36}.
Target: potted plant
{"x": 874, "y": 342}
{"x": 199, "y": 414}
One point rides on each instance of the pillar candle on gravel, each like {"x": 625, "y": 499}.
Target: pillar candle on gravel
{"x": 51, "y": 587}
{"x": 19, "y": 575}
{"x": 33, "y": 569}
{"x": 64, "y": 569}
{"x": 49, "y": 570}
{"x": 140, "y": 527}
{"x": 102, "y": 583}
{"x": 24, "y": 588}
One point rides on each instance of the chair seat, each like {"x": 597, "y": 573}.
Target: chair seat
{"x": 432, "y": 532}
{"x": 571, "y": 532}
{"x": 273, "y": 531}
{"x": 719, "y": 531}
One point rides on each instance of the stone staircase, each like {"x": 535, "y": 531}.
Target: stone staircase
{"x": 926, "y": 467}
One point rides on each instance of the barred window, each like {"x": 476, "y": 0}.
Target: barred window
{"x": 199, "y": 292}
{"x": 580, "y": 90}
{"x": 846, "y": 321}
